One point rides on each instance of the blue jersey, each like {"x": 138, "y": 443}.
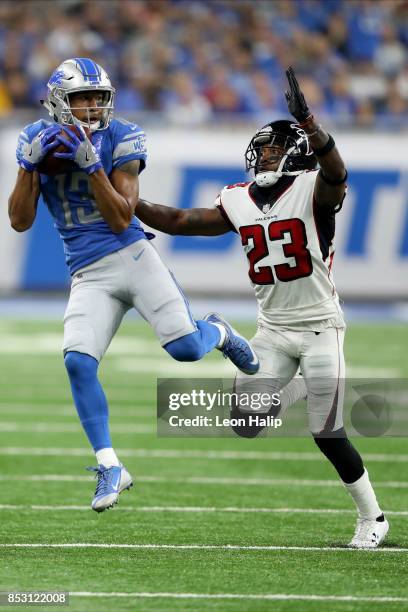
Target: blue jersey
{"x": 69, "y": 198}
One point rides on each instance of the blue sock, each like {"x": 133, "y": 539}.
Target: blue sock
{"x": 194, "y": 346}
{"x": 89, "y": 398}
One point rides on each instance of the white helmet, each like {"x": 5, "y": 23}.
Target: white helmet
{"x": 74, "y": 75}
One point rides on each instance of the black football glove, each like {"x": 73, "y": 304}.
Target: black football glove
{"x": 296, "y": 100}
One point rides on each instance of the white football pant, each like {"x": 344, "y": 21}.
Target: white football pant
{"x": 102, "y": 292}
{"x": 321, "y": 361}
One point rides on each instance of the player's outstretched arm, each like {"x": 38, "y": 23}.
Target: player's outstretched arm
{"x": 191, "y": 222}
{"x": 331, "y": 181}
{"x": 22, "y": 203}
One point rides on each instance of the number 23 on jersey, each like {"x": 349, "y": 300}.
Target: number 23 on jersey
{"x": 295, "y": 249}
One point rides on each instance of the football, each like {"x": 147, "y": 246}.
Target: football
{"x": 51, "y": 165}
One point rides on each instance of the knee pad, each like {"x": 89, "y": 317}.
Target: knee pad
{"x": 186, "y": 348}
{"x": 342, "y": 454}
{"x": 80, "y": 366}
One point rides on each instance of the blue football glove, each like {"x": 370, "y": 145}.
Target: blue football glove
{"x": 30, "y": 154}
{"x": 81, "y": 151}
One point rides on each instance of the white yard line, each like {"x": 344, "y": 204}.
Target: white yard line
{"x": 244, "y": 596}
{"x": 199, "y": 509}
{"x": 135, "y": 349}
{"x": 147, "y": 356}
{"x": 51, "y": 343}
{"x": 199, "y": 480}
{"x": 371, "y": 372}
{"x": 163, "y": 366}
{"x": 199, "y": 547}
{"x": 196, "y": 454}
{"x": 63, "y": 409}
{"x": 74, "y": 428}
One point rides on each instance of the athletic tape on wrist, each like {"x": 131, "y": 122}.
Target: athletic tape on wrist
{"x": 304, "y": 123}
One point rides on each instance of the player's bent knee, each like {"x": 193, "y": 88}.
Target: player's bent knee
{"x": 80, "y": 366}
{"x": 173, "y": 323}
{"x": 187, "y": 348}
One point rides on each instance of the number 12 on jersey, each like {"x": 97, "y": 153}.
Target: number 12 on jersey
{"x": 296, "y": 248}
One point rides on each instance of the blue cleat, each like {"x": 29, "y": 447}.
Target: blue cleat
{"x": 111, "y": 482}
{"x": 236, "y": 347}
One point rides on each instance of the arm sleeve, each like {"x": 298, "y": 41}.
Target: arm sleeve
{"x": 129, "y": 144}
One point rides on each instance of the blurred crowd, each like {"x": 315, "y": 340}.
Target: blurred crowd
{"x": 196, "y": 61}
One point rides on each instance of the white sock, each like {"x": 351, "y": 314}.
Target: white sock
{"x": 223, "y": 333}
{"x": 294, "y": 391}
{"x": 107, "y": 457}
{"x": 364, "y": 497}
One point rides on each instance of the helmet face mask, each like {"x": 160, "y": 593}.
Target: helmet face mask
{"x": 289, "y": 151}
{"x": 79, "y": 75}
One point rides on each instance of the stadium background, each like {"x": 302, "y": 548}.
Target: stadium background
{"x": 201, "y": 77}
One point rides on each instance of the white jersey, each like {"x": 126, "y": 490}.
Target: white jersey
{"x": 289, "y": 246}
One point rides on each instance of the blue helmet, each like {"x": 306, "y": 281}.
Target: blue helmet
{"x": 72, "y": 76}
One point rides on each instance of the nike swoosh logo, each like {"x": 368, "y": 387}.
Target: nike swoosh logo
{"x": 31, "y": 152}
{"x": 136, "y": 257}
{"x": 115, "y": 485}
{"x": 86, "y": 156}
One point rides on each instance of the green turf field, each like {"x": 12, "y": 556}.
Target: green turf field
{"x": 209, "y": 525}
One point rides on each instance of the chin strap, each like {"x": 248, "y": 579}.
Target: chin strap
{"x": 269, "y": 178}
{"x": 90, "y": 126}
